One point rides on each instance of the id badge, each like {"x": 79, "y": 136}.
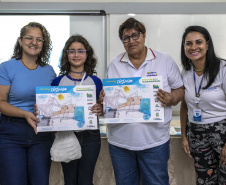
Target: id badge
{"x": 197, "y": 115}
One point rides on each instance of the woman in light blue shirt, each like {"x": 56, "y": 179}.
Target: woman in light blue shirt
{"x": 24, "y": 153}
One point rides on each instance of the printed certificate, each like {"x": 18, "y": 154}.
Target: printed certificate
{"x": 129, "y": 100}
{"x": 66, "y": 108}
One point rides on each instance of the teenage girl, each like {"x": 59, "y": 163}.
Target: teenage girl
{"x": 77, "y": 68}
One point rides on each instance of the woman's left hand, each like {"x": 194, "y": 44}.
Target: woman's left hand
{"x": 165, "y": 97}
{"x": 97, "y": 108}
{"x": 223, "y": 156}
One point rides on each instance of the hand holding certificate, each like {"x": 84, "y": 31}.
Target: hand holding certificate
{"x": 66, "y": 108}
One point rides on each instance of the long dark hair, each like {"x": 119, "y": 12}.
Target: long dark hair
{"x": 43, "y": 57}
{"x": 90, "y": 63}
{"x": 212, "y": 63}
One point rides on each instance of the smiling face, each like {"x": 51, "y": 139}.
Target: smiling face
{"x": 134, "y": 47}
{"x": 31, "y": 42}
{"x": 77, "y": 59}
{"x": 195, "y": 47}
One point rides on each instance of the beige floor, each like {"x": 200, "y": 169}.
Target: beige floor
{"x": 181, "y": 170}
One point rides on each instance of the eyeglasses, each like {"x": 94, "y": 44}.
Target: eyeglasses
{"x": 134, "y": 36}
{"x": 30, "y": 38}
{"x": 72, "y": 52}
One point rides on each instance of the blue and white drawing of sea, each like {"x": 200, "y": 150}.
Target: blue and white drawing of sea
{"x": 134, "y": 99}
{"x": 127, "y": 103}
{"x": 63, "y": 110}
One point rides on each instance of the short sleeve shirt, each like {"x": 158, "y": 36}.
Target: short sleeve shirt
{"x": 66, "y": 80}
{"x": 23, "y": 82}
{"x": 140, "y": 136}
{"x": 212, "y": 100}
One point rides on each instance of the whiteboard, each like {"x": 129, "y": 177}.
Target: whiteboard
{"x": 61, "y": 25}
{"x": 93, "y": 29}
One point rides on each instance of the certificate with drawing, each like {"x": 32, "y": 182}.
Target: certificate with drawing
{"x": 66, "y": 108}
{"x": 130, "y": 100}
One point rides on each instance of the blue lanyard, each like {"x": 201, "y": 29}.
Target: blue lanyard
{"x": 197, "y": 94}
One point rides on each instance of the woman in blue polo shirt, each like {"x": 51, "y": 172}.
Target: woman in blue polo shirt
{"x": 24, "y": 154}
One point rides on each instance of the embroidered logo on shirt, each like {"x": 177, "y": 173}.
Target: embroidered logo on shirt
{"x": 151, "y": 74}
{"x": 211, "y": 88}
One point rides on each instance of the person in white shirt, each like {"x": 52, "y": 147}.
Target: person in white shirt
{"x": 203, "y": 110}
{"x": 142, "y": 149}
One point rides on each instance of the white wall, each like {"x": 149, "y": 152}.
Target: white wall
{"x": 91, "y": 27}
{"x": 10, "y": 31}
{"x": 164, "y": 32}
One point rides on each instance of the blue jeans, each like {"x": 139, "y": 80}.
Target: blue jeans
{"x": 24, "y": 156}
{"x": 80, "y": 171}
{"x": 150, "y": 164}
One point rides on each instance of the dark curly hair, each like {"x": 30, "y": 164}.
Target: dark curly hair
{"x": 131, "y": 23}
{"x": 90, "y": 63}
{"x": 212, "y": 63}
{"x": 43, "y": 57}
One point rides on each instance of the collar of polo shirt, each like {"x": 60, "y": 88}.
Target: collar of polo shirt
{"x": 150, "y": 56}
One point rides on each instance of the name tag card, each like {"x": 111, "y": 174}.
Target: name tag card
{"x": 197, "y": 115}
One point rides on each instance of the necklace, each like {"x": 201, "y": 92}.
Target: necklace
{"x": 198, "y": 70}
{"x": 28, "y": 67}
{"x": 77, "y": 72}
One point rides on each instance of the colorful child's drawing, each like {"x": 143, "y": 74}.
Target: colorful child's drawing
{"x": 131, "y": 100}
{"x": 65, "y": 109}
